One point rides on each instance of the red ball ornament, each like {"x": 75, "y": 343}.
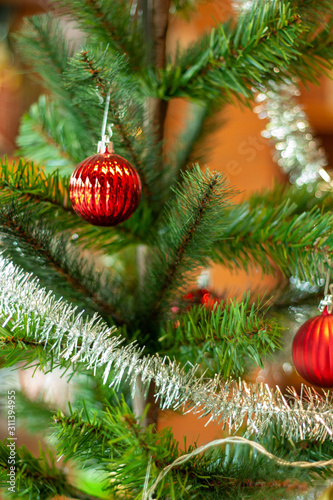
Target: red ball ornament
{"x": 313, "y": 350}
{"x": 201, "y": 296}
{"x": 105, "y": 189}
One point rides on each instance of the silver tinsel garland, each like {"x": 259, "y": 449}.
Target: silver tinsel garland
{"x": 35, "y": 313}
{"x": 297, "y": 151}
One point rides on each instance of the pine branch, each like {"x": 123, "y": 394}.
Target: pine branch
{"x": 233, "y": 61}
{"x": 47, "y": 240}
{"x": 117, "y": 444}
{"x": 61, "y": 133}
{"x": 25, "y": 178}
{"x": 16, "y": 338}
{"x": 124, "y": 133}
{"x": 195, "y": 218}
{"x": 186, "y": 240}
{"x": 55, "y": 134}
{"x": 52, "y": 132}
{"x": 46, "y": 137}
{"x": 36, "y": 477}
{"x": 322, "y": 197}
{"x": 90, "y": 69}
{"x": 70, "y": 129}
{"x": 28, "y": 182}
{"x": 224, "y": 340}
{"x": 41, "y": 42}
{"x": 70, "y": 339}
{"x": 236, "y": 471}
{"x": 298, "y": 243}
{"x": 18, "y": 349}
{"x": 109, "y": 239}
{"x": 113, "y": 442}
{"x": 110, "y": 23}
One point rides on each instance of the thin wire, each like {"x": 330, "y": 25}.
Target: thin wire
{"x": 231, "y": 440}
{"x": 106, "y": 112}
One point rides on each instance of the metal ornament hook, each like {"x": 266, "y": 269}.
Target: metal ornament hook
{"x": 100, "y": 98}
{"x": 109, "y": 127}
{"x": 104, "y": 144}
{"x": 327, "y": 301}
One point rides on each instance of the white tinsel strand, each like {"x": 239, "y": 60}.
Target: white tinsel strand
{"x": 57, "y": 326}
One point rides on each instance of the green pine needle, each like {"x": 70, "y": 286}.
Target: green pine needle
{"x": 229, "y": 339}
{"x": 193, "y": 220}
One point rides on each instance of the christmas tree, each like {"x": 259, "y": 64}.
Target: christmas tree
{"x": 113, "y": 305}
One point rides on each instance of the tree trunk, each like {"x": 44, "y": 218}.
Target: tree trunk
{"x": 140, "y": 403}
{"x": 158, "y": 32}
{"x": 155, "y": 21}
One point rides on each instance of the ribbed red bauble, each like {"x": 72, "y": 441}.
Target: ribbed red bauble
{"x": 105, "y": 189}
{"x": 313, "y": 350}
